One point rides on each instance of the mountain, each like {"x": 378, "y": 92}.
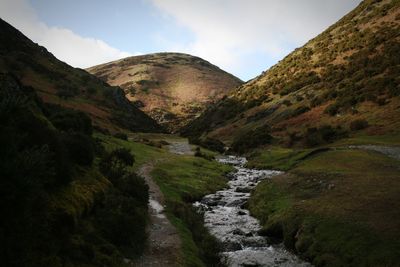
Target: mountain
{"x": 60, "y": 189}
{"x": 172, "y": 88}
{"x": 60, "y": 84}
{"x": 343, "y": 82}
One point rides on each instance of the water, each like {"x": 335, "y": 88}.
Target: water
{"x": 157, "y": 208}
{"x": 229, "y": 222}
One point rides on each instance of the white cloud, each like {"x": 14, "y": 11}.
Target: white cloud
{"x": 227, "y": 31}
{"x": 66, "y": 45}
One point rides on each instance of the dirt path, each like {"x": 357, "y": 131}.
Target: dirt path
{"x": 163, "y": 239}
{"x": 180, "y": 148}
{"x": 390, "y": 151}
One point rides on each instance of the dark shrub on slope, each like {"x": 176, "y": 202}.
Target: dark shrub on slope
{"x": 323, "y": 135}
{"x": 252, "y": 139}
{"x": 55, "y": 212}
{"x": 122, "y": 215}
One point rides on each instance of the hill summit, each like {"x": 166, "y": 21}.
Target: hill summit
{"x": 172, "y": 88}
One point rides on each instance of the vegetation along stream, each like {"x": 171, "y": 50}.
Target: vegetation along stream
{"x": 228, "y": 220}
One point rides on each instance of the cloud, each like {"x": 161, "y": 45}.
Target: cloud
{"x": 228, "y": 31}
{"x": 66, "y": 45}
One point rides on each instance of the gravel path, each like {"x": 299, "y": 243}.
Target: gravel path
{"x": 390, "y": 151}
{"x": 164, "y": 243}
{"x": 180, "y": 148}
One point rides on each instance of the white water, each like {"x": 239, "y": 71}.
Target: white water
{"x": 238, "y": 231}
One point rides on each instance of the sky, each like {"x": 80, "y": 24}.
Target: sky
{"x": 243, "y": 37}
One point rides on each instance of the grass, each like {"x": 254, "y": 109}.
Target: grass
{"x": 182, "y": 180}
{"x": 388, "y": 139}
{"x": 278, "y": 158}
{"x": 187, "y": 178}
{"x": 80, "y": 195}
{"x": 337, "y": 208}
{"x": 143, "y": 153}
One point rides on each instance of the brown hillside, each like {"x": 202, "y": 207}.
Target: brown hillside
{"x": 60, "y": 84}
{"x": 172, "y": 88}
{"x": 349, "y": 72}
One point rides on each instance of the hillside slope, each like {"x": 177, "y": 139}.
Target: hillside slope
{"x": 344, "y": 81}
{"x": 172, "y": 88}
{"x": 58, "y": 83}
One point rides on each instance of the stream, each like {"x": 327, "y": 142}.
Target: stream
{"x": 232, "y": 225}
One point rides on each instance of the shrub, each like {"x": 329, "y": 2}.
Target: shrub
{"x": 358, "y": 125}
{"x": 69, "y": 120}
{"x": 287, "y": 102}
{"x": 209, "y": 143}
{"x": 208, "y": 245}
{"x": 80, "y": 148}
{"x": 252, "y": 139}
{"x": 332, "y": 109}
{"x": 122, "y": 136}
{"x": 316, "y": 101}
{"x": 200, "y": 154}
{"x": 300, "y": 110}
{"x": 322, "y": 135}
{"x": 114, "y": 164}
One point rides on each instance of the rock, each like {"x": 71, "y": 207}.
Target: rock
{"x": 238, "y": 231}
{"x": 249, "y": 234}
{"x": 243, "y": 189}
{"x": 240, "y": 212}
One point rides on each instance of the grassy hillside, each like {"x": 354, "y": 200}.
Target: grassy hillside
{"x": 58, "y": 83}
{"x": 172, "y": 88}
{"x": 61, "y": 193}
{"x": 343, "y": 82}
{"x": 337, "y": 207}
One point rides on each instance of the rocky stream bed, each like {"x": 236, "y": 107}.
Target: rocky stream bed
{"x": 228, "y": 220}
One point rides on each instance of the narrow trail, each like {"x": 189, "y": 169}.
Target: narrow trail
{"x": 390, "y": 151}
{"x": 180, "y": 148}
{"x": 164, "y": 244}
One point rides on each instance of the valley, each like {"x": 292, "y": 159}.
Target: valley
{"x": 164, "y": 159}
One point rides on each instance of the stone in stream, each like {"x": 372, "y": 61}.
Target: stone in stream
{"x": 241, "y": 212}
{"x": 243, "y": 189}
{"x": 229, "y": 221}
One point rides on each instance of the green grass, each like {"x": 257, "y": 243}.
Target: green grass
{"x": 337, "y": 208}
{"x": 278, "y": 158}
{"x": 182, "y": 180}
{"x": 388, "y": 139}
{"x": 189, "y": 178}
{"x": 143, "y": 153}
{"x": 80, "y": 195}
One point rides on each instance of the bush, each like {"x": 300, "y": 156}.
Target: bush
{"x": 122, "y": 136}
{"x": 80, "y": 148}
{"x": 208, "y": 245}
{"x": 122, "y": 219}
{"x": 300, "y": 110}
{"x": 209, "y": 143}
{"x": 252, "y": 139}
{"x": 69, "y": 120}
{"x": 322, "y": 135}
{"x": 200, "y": 154}
{"x": 114, "y": 165}
{"x": 358, "y": 125}
{"x": 332, "y": 109}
